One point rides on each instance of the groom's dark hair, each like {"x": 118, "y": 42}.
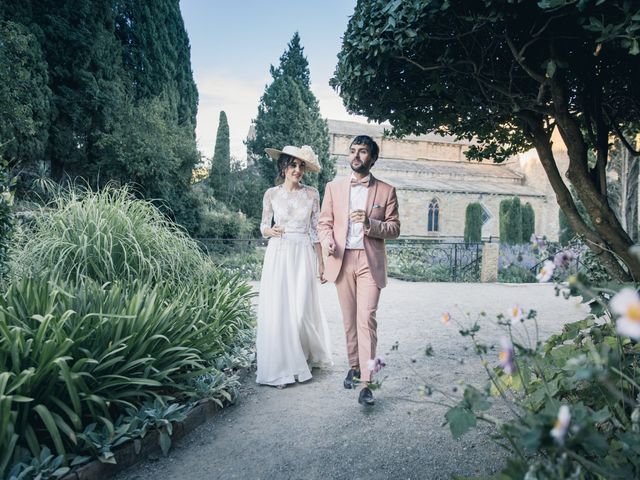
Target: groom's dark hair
{"x": 368, "y": 142}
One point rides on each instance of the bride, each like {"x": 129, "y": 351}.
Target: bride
{"x": 293, "y": 336}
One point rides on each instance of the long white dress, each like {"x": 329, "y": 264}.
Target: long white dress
{"x": 293, "y": 335}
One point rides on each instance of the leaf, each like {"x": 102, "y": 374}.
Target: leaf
{"x": 460, "y": 420}
{"x": 165, "y": 442}
{"x": 476, "y": 399}
{"x": 50, "y": 423}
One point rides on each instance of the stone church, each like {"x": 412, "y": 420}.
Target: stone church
{"x": 435, "y": 182}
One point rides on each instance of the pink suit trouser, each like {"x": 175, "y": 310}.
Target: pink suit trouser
{"x": 358, "y": 295}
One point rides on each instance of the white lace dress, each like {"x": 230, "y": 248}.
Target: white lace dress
{"x": 293, "y": 335}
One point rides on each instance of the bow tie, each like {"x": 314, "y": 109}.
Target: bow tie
{"x": 364, "y": 182}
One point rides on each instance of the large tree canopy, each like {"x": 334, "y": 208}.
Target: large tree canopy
{"x": 507, "y": 73}
{"x": 102, "y": 90}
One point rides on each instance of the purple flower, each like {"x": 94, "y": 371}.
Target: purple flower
{"x": 376, "y": 364}
{"x": 506, "y": 357}
{"x": 563, "y": 259}
{"x": 537, "y": 243}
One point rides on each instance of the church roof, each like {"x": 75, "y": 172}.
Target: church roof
{"x": 351, "y": 129}
{"x": 425, "y": 167}
{"x": 448, "y": 176}
{"x": 460, "y": 186}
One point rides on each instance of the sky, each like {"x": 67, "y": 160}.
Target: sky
{"x": 233, "y": 44}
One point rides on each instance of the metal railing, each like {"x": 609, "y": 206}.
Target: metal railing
{"x": 428, "y": 260}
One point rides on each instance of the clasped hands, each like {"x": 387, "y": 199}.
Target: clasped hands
{"x": 275, "y": 231}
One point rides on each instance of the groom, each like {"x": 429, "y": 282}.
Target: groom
{"x": 358, "y": 213}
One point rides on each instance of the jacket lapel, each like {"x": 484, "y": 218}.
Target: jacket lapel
{"x": 371, "y": 194}
{"x": 346, "y": 192}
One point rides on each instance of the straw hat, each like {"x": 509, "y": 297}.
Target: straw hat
{"x": 304, "y": 153}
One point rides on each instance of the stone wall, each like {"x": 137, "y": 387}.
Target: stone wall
{"x": 414, "y": 203}
{"x": 414, "y": 214}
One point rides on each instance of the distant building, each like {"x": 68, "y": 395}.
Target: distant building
{"x": 435, "y": 182}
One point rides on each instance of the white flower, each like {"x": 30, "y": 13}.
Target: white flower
{"x": 559, "y": 431}
{"x": 515, "y": 313}
{"x": 546, "y": 272}
{"x": 445, "y": 317}
{"x": 626, "y": 304}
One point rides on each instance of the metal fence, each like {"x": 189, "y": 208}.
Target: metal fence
{"x": 409, "y": 259}
{"x": 428, "y": 260}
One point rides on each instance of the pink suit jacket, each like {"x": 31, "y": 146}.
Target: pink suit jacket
{"x": 384, "y": 222}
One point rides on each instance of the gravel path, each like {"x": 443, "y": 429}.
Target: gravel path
{"x": 317, "y": 430}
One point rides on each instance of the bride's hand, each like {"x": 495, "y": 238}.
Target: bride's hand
{"x": 276, "y": 231}
{"x": 321, "y": 273}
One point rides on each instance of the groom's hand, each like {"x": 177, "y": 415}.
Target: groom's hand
{"x": 359, "y": 216}
{"x": 330, "y": 248}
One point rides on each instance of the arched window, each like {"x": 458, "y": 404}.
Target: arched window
{"x": 434, "y": 214}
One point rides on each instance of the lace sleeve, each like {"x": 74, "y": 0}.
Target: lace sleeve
{"x": 315, "y": 213}
{"x": 267, "y": 212}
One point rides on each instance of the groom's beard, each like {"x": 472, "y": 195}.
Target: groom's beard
{"x": 362, "y": 169}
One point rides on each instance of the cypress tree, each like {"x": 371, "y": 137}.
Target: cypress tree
{"x": 156, "y": 54}
{"x": 528, "y": 222}
{"x": 289, "y": 114}
{"x": 25, "y": 107}
{"x": 122, "y": 94}
{"x": 505, "y": 205}
{"x": 221, "y": 162}
{"x": 514, "y": 222}
{"x": 473, "y": 223}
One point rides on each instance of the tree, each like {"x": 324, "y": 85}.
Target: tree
{"x": 528, "y": 222}
{"x": 157, "y": 55}
{"x": 513, "y": 222}
{"x": 473, "y": 223}
{"x": 566, "y": 234}
{"x": 289, "y": 114}
{"x": 507, "y": 74}
{"x": 123, "y": 100}
{"x": 221, "y": 162}
{"x": 505, "y": 205}
{"x": 622, "y": 188}
{"x": 25, "y": 107}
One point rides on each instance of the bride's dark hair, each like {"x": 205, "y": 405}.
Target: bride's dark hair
{"x": 283, "y": 162}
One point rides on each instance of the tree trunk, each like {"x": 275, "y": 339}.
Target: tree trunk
{"x": 629, "y": 172}
{"x": 608, "y": 230}
{"x": 606, "y": 255}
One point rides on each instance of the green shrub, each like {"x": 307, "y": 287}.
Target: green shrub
{"x": 516, "y": 274}
{"x": 7, "y": 183}
{"x": 110, "y": 308}
{"x": 106, "y": 236}
{"x": 247, "y": 265}
{"x": 473, "y": 223}
{"x": 573, "y": 399}
{"x": 528, "y": 222}
{"x": 505, "y": 205}
{"x": 217, "y": 220}
{"x": 76, "y": 355}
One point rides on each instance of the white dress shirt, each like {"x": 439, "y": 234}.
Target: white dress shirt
{"x": 357, "y": 201}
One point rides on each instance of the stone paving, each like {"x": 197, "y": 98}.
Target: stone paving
{"x": 317, "y": 430}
